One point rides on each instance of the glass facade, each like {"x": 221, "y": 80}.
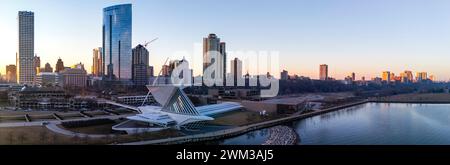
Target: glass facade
{"x": 25, "y": 54}
{"x": 117, "y": 51}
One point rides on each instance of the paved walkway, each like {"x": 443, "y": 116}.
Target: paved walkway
{"x": 40, "y": 123}
{"x": 56, "y": 129}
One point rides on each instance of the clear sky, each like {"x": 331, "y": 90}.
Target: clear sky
{"x": 362, "y": 36}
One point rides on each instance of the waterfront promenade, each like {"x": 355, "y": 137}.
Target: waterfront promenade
{"x": 239, "y": 130}
{"x": 40, "y": 123}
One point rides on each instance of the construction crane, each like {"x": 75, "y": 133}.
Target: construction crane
{"x": 146, "y": 44}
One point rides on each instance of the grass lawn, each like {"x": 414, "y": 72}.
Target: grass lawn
{"x": 39, "y": 135}
{"x": 419, "y": 97}
{"x": 30, "y": 136}
{"x": 96, "y": 129}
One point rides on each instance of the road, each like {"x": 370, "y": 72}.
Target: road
{"x": 40, "y": 123}
{"x": 53, "y": 127}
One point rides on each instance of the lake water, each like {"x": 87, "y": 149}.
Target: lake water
{"x": 367, "y": 124}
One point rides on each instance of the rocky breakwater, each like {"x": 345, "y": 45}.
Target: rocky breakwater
{"x": 281, "y": 135}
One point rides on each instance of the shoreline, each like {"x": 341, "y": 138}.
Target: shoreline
{"x": 222, "y": 134}
{"x": 233, "y": 132}
{"x": 236, "y": 131}
{"x": 409, "y": 102}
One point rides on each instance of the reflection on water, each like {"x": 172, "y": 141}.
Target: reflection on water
{"x": 252, "y": 138}
{"x": 371, "y": 123}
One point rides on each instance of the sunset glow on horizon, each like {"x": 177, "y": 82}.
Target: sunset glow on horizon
{"x": 365, "y": 37}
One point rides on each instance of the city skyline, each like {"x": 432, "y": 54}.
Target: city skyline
{"x": 393, "y": 34}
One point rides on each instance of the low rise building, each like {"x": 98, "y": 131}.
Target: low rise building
{"x": 247, "y": 94}
{"x": 40, "y": 98}
{"x": 135, "y": 100}
{"x": 74, "y": 77}
{"x": 48, "y": 79}
{"x": 49, "y": 98}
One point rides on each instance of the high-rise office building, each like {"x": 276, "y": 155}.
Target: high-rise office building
{"x": 236, "y": 70}
{"x": 284, "y": 75}
{"x": 432, "y": 78}
{"x": 172, "y": 65}
{"x": 165, "y": 71}
{"x": 386, "y": 76}
{"x": 323, "y": 72}
{"x": 97, "y": 62}
{"x": 11, "y": 73}
{"x": 25, "y": 51}
{"x": 48, "y": 68}
{"x": 140, "y": 65}
{"x": 117, "y": 32}
{"x": 353, "y": 76}
{"x": 406, "y": 76}
{"x": 175, "y": 63}
{"x": 223, "y": 52}
{"x": 37, "y": 64}
{"x": 421, "y": 76}
{"x": 59, "y": 65}
{"x": 403, "y": 77}
{"x": 213, "y": 47}
{"x": 150, "y": 71}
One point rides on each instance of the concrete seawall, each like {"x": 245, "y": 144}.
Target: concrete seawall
{"x": 217, "y": 135}
{"x": 410, "y": 102}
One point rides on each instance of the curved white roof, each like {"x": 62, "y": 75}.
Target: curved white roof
{"x": 178, "y": 109}
{"x": 215, "y": 109}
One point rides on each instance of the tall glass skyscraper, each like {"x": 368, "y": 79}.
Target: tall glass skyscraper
{"x": 213, "y": 46}
{"x": 117, "y": 49}
{"x": 25, "y": 51}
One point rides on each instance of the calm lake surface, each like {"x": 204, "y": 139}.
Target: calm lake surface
{"x": 367, "y": 124}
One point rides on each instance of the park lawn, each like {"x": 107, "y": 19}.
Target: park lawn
{"x": 30, "y": 136}
{"x": 95, "y": 129}
{"x": 241, "y": 118}
{"x": 39, "y": 135}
